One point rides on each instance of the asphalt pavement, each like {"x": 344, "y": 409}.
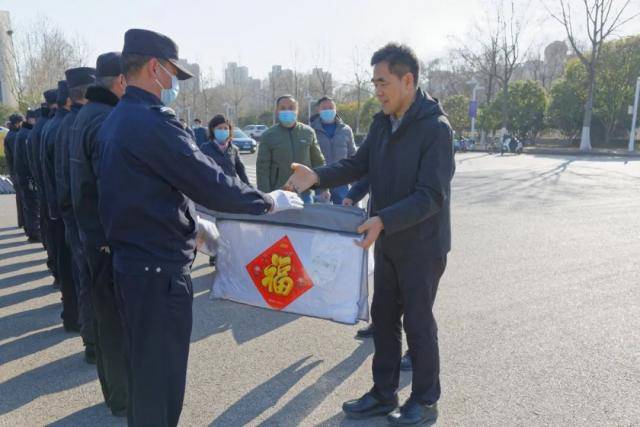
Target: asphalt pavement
{"x": 538, "y": 312}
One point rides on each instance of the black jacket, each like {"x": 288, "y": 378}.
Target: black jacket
{"x": 200, "y": 135}
{"x": 228, "y": 160}
{"x": 151, "y": 173}
{"x": 35, "y": 140}
{"x": 47, "y": 156}
{"x": 63, "y": 186}
{"x": 410, "y": 172}
{"x": 84, "y": 153}
{"x": 9, "y": 151}
{"x": 21, "y": 160}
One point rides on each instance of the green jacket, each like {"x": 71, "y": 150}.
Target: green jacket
{"x": 279, "y": 147}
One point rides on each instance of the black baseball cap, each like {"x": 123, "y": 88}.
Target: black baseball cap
{"x": 51, "y": 96}
{"x": 150, "y": 43}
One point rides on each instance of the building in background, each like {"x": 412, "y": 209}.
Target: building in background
{"x": 8, "y": 81}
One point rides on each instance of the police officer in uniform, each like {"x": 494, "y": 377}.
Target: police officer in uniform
{"x": 62, "y": 253}
{"x": 85, "y": 157}
{"x": 26, "y": 182}
{"x": 35, "y": 139}
{"x": 78, "y": 80}
{"x": 15, "y": 121}
{"x": 150, "y": 174}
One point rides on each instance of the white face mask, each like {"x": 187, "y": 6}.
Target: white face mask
{"x": 168, "y": 96}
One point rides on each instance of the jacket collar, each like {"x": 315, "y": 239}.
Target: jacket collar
{"x": 423, "y": 106}
{"x": 101, "y": 95}
{"x": 141, "y": 95}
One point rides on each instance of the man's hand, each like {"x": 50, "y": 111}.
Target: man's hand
{"x": 325, "y": 196}
{"x": 347, "y": 202}
{"x": 372, "y": 227}
{"x": 284, "y": 200}
{"x": 302, "y": 179}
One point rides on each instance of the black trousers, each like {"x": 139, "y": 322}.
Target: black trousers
{"x": 405, "y": 283}
{"x": 156, "y": 309}
{"x": 109, "y": 334}
{"x": 82, "y": 281}
{"x": 16, "y": 187}
{"x": 65, "y": 275}
{"x": 30, "y": 210}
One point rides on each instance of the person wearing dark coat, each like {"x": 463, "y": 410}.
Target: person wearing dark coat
{"x": 151, "y": 174}
{"x": 15, "y": 121}
{"x": 25, "y": 179}
{"x": 35, "y": 144}
{"x": 78, "y": 80}
{"x": 221, "y": 149}
{"x": 408, "y": 157}
{"x": 61, "y": 251}
{"x": 199, "y": 132}
{"x": 84, "y": 151}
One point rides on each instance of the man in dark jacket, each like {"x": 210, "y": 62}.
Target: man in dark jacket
{"x": 85, "y": 158}
{"x": 15, "y": 122}
{"x": 35, "y": 144}
{"x": 62, "y": 253}
{"x": 78, "y": 80}
{"x": 199, "y": 132}
{"x": 408, "y": 156}
{"x": 26, "y": 181}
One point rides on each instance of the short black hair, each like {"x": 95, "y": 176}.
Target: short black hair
{"x": 323, "y": 99}
{"x": 287, "y": 96}
{"x": 78, "y": 93}
{"x": 132, "y": 63}
{"x": 197, "y": 120}
{"x": 401, "y": 59}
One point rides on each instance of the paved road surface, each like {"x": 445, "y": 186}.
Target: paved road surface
{"x": 539, "y": 316}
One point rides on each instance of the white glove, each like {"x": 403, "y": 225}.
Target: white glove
{"x": 207, "y": 237}
{"x": 284, "y": 200}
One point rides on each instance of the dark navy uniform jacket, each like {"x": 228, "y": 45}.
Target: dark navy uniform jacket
{"x": 63, "y": 185}
{"x": 47, "y": 156}
{"x": 84, "y": 159}
{"x": 35, "y": 139}
{"x": 150, "y": 174}
{"x": 21, "y": 159}
{"x": 9, "y": 151}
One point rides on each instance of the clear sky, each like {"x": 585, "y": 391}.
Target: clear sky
{"x": 259, "y": 33}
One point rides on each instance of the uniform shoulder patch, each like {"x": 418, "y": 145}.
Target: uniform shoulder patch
{"x": 164, "y": 110}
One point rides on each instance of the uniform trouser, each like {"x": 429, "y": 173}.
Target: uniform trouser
{"x": 82, "y": 281}
{"x": 30, "y": 211}
{"x": 65, "y": 275}
{"x": 110, "y": 357}
{"x": 16, "y": 187}
{"x": 47, "y": 238}
{"x": 156, "y": 310}
{"x": 406, "y": 283}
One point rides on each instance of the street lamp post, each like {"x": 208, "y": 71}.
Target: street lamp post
{"x": 309, "y": 98}
{"x": 474, "y": 100}
{"x": 632, "y": 133}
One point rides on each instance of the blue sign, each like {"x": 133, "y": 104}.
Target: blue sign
{"x": 473, "y": 109}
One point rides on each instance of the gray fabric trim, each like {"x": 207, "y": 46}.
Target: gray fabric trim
{"x": 340, "y": 219}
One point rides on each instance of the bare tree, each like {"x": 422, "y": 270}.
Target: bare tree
{"x": 602, "y": 19}
{"x": 42, "y": 53}
{"x": 361, "y": 83}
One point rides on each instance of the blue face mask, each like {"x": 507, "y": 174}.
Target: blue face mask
{"x": 287, "y": 117}
{"x": 167, "y": 96}
{"x": 221, "y": 135}
{"x": 328, "y": 116}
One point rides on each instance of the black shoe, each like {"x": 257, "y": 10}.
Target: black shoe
{"x": 368, "y": 406}
{"x": 366, "y": 332}
{"x": 71, "y": 327}
{"x": 90, "y": 355}
{"x": 212, "y": 261}
{"x": 56, "y": 285}
{"x": 33, "y": 239}
{"x": 413, "y": 413}
{"x": 405, "y": 362}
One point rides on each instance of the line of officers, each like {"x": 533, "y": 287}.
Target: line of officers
{"x": 50, "y": 157}
{"x": 106, "y": 178}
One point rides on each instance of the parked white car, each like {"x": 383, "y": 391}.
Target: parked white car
{"x": 255, "y": 131}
